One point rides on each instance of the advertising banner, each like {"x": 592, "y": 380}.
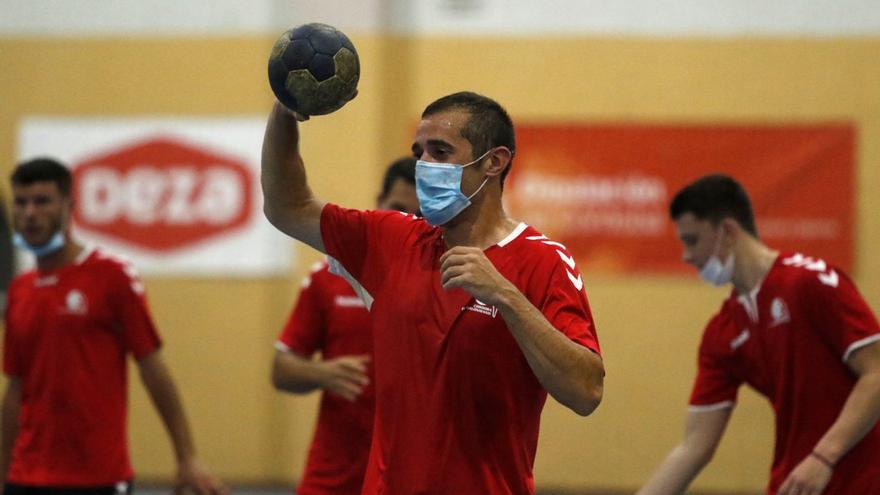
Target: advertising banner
{"x": 178, "y": 196}
{"x": 604, "y": 190}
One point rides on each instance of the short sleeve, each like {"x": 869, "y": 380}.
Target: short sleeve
{"x": 305, "y": 330}
{"x": 843, "y": 318}
{"x": 364, "y": 242}
{"x": 715, "y": 386}
{"x": 138, "y": 330}
{"x": 567, "y": 309}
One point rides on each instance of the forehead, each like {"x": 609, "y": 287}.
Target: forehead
{"x": 445, "y": 125}
{"x": 690, "y": 224}
{"x": 42, "y": 188}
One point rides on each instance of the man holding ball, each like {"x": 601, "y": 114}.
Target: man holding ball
{"x": 476, "y": 315}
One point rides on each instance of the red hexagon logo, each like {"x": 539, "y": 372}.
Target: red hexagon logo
{"x": 162, "y": 194}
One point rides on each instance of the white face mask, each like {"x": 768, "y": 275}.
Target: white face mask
{"x": 54, "y": 243}
{"x": 716, "y": 272}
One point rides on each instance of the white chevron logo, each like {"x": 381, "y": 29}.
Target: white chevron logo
{"x": 569, "y": 260}
{"x": 576, "y": 281}
{"x": 816, "y": 266}
{"x": 831, "y": 278}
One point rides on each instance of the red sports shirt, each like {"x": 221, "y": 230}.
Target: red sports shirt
{"x": 329, "y": 317}
{"x": 457, "y": 405}
{"x": 67, "y": 335}
{"x": 790, "y": 340}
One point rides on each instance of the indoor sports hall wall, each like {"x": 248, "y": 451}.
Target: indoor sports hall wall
{"x": 219, "y": 332}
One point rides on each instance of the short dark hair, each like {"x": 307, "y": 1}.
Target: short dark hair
{"x": 489, "y": 124}
{"x": 403, "y": 169}
{"x": 43, "y": 169}
{"x": 714, "y": 198}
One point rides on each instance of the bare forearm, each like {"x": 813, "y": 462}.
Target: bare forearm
{"x": 572, "y": 374}
{"x": 676, "y": 472}
{"x": 288, "y": 202}
{"x": 703, "y": 431}
{"x": 11, "y": 407}
{"x": 860, "y": 413}
{"x": 295, "y": 374}
{"x": 166, "y": 399}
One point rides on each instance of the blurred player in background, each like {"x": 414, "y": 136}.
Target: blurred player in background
{"x": 330, "y": 317}
{"x": 475, "y": 316}
{"x": 797, "y": 331}
{"x": 69, "y": 325}
{"x": 7, "y": 254}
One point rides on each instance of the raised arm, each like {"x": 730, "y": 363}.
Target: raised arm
{"x": 703, "y": 431}
{"x": 288, "y": 202}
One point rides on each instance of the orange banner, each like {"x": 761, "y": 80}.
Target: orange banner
{"x": 604, "y": 190}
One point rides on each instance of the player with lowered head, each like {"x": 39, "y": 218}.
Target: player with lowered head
{"x": 476, "y": 316}
{"x": 796, "y": 330}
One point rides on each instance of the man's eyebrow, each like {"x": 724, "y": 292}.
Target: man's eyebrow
{"x": 440, "y": 142}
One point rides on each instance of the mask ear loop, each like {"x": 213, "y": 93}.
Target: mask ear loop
{"x": 487, "y": 177}
{"x": 717, "y": 251}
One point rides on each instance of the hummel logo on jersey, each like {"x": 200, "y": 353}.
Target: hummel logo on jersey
{"x": 779, "y": 312}
{"x": 578, "y": 282}
{"x": 482, "y": 308}
{"x": 349, "y": 302}
{"x": 569, "y": 260}
{"x": 831, "y": 278}
{"x": 75, "y": 303}
{"x": 740, "y": 339}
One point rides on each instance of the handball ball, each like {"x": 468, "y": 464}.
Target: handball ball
{"x": 314, "y": 69}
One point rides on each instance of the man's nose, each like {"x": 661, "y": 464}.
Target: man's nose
{"x": 687, "y": 257}
{"x": 29, "y": 209}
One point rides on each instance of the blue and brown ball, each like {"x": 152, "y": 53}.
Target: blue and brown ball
{"x": 314, "y": 69}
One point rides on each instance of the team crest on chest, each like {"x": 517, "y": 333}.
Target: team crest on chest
{"x": 76, "y": 303}
{"x": 779, "y": 312}
{"x": 482, "y": 308}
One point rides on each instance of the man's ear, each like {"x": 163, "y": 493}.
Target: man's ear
{"x": 731, "y": 229}
{"x": 499, "y": 159}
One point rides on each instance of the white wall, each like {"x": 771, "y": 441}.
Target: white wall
{"x": 481, "y": 17}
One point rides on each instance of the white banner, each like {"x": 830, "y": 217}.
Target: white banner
{"x": 179, "y": 196}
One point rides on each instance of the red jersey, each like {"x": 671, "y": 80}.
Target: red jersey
{"x": 330, "y": 317}
{"x": 67, "y": 335}
{"x": 789, "y": 339}
{"x": 457, "y": 405}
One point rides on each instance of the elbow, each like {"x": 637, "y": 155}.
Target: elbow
{"x": 276, "y": 378}
{"x": 589, "y": 400}
{"x": 592, "y": 390}
{"x": 279, "y": 378}
{"x": 272, "y": 213}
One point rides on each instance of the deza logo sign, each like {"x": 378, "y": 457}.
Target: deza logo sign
{"x": 162, "y": 194}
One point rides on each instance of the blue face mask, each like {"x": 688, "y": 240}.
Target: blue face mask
{"x": 438, "y": 187}
{"x": 55, "y": 243}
